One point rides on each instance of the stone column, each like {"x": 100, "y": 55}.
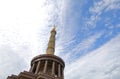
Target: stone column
{"x": 53, "y": 68}
{"x": 38, "y": 67}
{"x": 45, "y": 67}
{"x": 59, "y": 70}
{"x": 32, "y": 67}
{"x": 51, "y": 43}
{"x": 63, "y": 72}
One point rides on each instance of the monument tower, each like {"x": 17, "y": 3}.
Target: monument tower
{"x": 44, "y": 66}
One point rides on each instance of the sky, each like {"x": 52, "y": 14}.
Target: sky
{"x": 88, "y": 36}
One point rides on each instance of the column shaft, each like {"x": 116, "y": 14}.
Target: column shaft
{"x": 62, "y": 72}
{"x": 59, "y": 70}
{"x": 45, "y": 67}
{"x": 38, "y": 67}
{"x": 53, "y": 68}
{"x": 32, "y": 67}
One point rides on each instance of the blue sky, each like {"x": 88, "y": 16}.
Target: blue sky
{"x": 88, "y": 34}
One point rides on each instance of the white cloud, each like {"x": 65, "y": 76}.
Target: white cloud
{"x": 106, "y": 5}
{"x": 98, "y": 8}
{"x": 118, "y": 26}
{"x": 102, "y": 63}
{"x": 11, "y": 61}
{"x": 81, "y": 48}
{"x": 69, "y": 27}
{"x": 24, "y": 19}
